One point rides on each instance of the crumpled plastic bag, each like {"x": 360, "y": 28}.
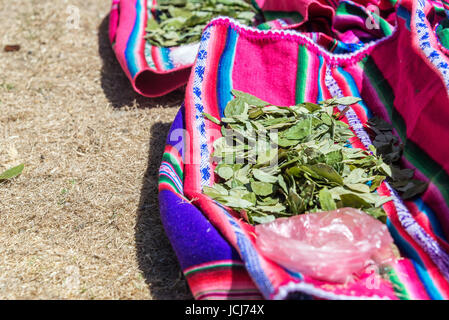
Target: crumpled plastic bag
{"x": 328, "y": 246}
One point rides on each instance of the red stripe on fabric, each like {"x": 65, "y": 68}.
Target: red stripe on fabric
{"x": 358, "y": 80}
{"x": 311, "y": 83}
{"x": 157, "y": 59}
{"x": 217, "y": 44}
{"x": 175, "y": 153}
{"x": 154, "y": 6}
{"x": 113, "y": 20}
{"x": 215, "y": 263}
{"x": 345, "y": 88}
{"x": 223, "y": 278}
{"x": 142, "y": 60}
{"x": 324, "y": 90}
{"x": 192, "y": 181}
{"x": 421, "y": 218}
{"x": 169, "y": 187}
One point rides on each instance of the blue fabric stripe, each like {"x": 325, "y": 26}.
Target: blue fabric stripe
{"x": 165, "y": 52}
{"x": 320, "y": 92}
{"x": 250, "y": 258}
{"x": 433, "y": 292}
{"x": 294, "y": 274}
{"x": 354, "y": 90}
{"x": 224, "y": 81}
{"x": 411, "y": 253}
{"x": 129, "y": 51}
{"x": 404, "y": 14}
{"x": 436, "y": 226}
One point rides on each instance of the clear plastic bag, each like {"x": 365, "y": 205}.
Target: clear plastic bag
{"x": 329, "y": 246}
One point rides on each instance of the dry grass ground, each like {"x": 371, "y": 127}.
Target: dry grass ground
{"x": 82, "y": 221}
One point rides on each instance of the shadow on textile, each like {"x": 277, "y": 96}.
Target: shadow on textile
{"x": 156, "y": 258}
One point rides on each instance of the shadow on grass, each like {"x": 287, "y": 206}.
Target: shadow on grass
{"x": 116, "y": 85}
{"x": 156, "y": 258}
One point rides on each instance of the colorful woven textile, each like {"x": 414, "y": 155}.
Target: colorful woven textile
{"x": 399, "y": 67}
{"x": 153, "y": 71}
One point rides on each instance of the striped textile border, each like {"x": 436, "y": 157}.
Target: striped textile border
{"x": 218, "y": 280}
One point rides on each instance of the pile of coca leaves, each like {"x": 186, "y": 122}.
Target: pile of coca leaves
{"x": 275, "y": 161}
{"x": 180, "y": 22}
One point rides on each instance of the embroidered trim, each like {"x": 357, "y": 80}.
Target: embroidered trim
{"x": 424, "y": 33}
{"x": 199, "y": 108}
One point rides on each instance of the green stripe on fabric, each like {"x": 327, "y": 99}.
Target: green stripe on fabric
{"x": 215, "y": 266}
{"x": 174, "y": 162}
{"x": 412, "y": 152}
{"x": 264, "y": 26}
{"x": 349, "y": 9}
{"x": 443, "y": 33}
{"x": 165, "y": 179}
{"x": 393, "y": 2}
{"x": 255, "y": 5}
{"x": 301, "y": 74}
{"x": 386, "y": 27}
{"x": 429, "y": 167}
{"x": 399, "y": 289}
{"x": 385, "y": 93}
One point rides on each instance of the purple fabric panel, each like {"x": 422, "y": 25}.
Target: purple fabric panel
{"x": 174, "y": 138}
{"x": 193, "y": 237}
